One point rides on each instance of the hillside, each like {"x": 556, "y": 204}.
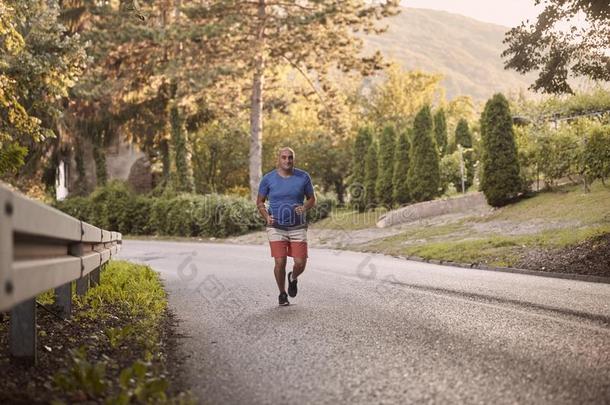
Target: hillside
{"x": 466, "y": 51}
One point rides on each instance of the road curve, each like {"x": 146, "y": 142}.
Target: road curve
{"x": 374, "y": 329}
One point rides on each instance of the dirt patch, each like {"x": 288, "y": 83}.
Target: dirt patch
{"x": 591, "y": 257}
{"x": 512, "y": 228}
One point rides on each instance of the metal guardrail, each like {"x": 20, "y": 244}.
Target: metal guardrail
{"x": 42, "y": 248}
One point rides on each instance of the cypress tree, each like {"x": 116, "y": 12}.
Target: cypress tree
{"x": 464, "y": 138}
{"x": 383, "y": 188}
{"x": 424, "y": 172}
{"x": 370, "y": 177}
{"x": 462, "y": 134}
{"x": 500, "y": 180}
{"x": 440, "y": 131}
{"x": 356, "y": 188}
{"x": 401, "y": 167}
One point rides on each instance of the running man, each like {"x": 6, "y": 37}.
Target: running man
{"x": 286, "y": 187}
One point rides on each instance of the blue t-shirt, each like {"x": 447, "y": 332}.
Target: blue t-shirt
{"x": 285, "y": 194}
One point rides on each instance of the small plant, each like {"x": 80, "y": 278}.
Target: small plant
{"x": 139, "y": 384}
{"x": 117, "y": 335}
{"x": 82, "y": 377}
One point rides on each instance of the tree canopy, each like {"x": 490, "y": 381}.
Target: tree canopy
{"x": 556, "y": 52}
{"x": 38, "y": 65}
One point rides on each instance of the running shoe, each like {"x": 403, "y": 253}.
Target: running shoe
{"x": 283, "y": 299}
{"x": 292, "y": 286}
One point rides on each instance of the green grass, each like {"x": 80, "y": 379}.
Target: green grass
{"x": 455, "y": 229}
{"x": 125, "y": 311}
{"x": 584, "y": 216}
{"x": 348, "y": 219}
{"x": 566, "y": 203}
{"x": 496, "y": 250}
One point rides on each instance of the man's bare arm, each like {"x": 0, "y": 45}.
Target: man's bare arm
{"x": 309, "y": 203}
{"x": 260, "y": 204}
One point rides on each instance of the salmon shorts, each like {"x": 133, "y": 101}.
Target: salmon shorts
{"x": 285, "y": 243}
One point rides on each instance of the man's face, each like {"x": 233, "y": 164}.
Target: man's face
{"x": 286, "y": 160}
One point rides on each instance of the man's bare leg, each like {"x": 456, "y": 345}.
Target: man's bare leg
{"x": 299, "y": 266}
{"x": 280, "y": 273}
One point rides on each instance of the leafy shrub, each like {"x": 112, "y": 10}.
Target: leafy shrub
{"x": 450, "y": 171}
{"x": 597, "y": 154}
{"x": 557, "y": 156}
{"x": 204, "y": 215}
{"x": 115, "y": 207}
{"x": 323, "y": 208}
{"x": 78, "y": 207}
{"x": 138, "y": 213}
{"x": 109, "y": 206}
{"x": 231, "y": 216}
{"x": 159, "y": 211}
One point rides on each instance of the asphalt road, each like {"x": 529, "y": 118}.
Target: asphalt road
{"x": 374, "y": 329}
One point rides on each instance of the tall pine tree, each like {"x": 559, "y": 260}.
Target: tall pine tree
{"x": 387, "y": 146}
{"x": 464, "y": 138}
{"x": 424, "y": 171}
{"x": 401, "y": 168}
{"x": 361, "y": 145}
{"x": 440, "y": 131}
{"x": 500, "y": 181}
{"x": 370, "y": 176}
{"x": 462, "y": 134}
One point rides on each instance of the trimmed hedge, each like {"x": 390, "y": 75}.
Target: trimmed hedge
{"x": 116, "y": 207}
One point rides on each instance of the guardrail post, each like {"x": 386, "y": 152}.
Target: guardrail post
{"x": 63, "y": 300}
{"x": 82, "y": 283}
{"x": 95, "y": 277}
{"x": 22, "y": 335}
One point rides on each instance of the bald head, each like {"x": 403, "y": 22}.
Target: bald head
{"x": 285, "y": 159}
{"x": 285, "y": 149}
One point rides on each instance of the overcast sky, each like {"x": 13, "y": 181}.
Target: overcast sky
{"x": 504, "y": 12}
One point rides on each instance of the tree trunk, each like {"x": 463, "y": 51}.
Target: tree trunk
{"x": 165, "y": 159}
{"x": 256, "y": 107}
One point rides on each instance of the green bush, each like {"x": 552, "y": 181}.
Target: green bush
{"x": 557, "y": 156}
{"x": 385, "y": 169}
{"x": 236, "y": 216}
{"x": 323, "y": 208}
{"x": 364, "y": 138}
{"x": 78, "y": 207}
{"x": 423, "y": 177}
{"x": 500, "y": 176}
{"x": 370, "y": 177}
{"x": 440, "y": 131}
{"x": 204, "y": 215}
{"x": 115, "y": 207}
{"x": 400, "y": 192}
{"x": 138, "y": 213}
{"x": 180, "y": 219}
{"x": 596, "y": 154}
{"x": 109, "y": 206}
{"x": 450, "y": 172}
{"x": 158, "y": 223}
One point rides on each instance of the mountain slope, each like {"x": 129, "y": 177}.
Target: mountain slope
{"x": 466, "y": 51}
